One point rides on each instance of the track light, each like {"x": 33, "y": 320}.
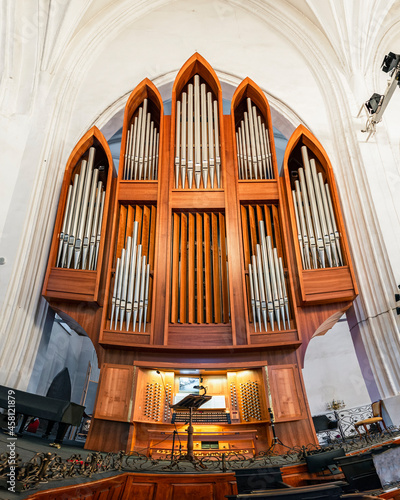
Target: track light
{"x": 377, "y": 103}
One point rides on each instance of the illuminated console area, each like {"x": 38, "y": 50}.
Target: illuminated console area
{"x": 233, "y": 420}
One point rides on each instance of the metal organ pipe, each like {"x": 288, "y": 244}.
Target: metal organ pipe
{"x": 252, "y": 140}
{"x": 268, "y": 293}
{"x": 315, "y": 218}
{"x": 83, "y": 213}
{"x": 131, "y": 286}
{"x": 197, "y": 146}
{"x": 141, "y": 150}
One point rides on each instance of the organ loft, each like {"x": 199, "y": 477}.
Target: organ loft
{"x": 199, "y": 264}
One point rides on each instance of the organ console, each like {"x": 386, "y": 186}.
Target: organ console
{"x": 199, "y": 260}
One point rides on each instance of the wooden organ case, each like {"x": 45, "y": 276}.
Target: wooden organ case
{"x": 211, "y": 267}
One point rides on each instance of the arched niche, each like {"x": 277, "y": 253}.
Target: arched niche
{"x": 318, "y": 231}
{"x": 142, "y": 129}
{"x": 61, "y": 278}
{"x": 262, "y": 148}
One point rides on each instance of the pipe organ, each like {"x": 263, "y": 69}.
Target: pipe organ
{"x": 318, "y": 236}
{"x": 254, "y": 157}
{"x": 142, "y": 146}
{"x": 199, "y": 260}
{"x": 134, "y": 260}
{"x": 79, "y": 239}
{"x": 267, "y": 291}
{"x": 197, "y": 146}
{"x": 199, "y": 282}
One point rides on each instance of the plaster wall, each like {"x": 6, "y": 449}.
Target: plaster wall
{"x": 331, "y": 371}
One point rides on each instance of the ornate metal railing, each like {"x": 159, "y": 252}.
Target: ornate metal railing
{"x": 346, "y": 418}
{"x": 45, "y": 467}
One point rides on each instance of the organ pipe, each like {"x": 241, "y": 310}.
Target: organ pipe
{"x": 199, "y": 278}
{"x": 130, "y": 297}
{"x": 141, "y": 150}
{"x": 268, "y": 292}
{"x": 315, "y": 219}
{"x": 81, "y": 227}
{"x": 253, "y": 145}
{"x": 197, "y": 138}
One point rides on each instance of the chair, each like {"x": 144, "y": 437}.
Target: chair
{"x": 375, "y": 419}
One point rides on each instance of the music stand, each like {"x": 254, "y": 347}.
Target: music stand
{"x": 190, "y": 402}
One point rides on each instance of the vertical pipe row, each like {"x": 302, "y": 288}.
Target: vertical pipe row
{"x": 130, "y": 299}
{"x": 254, "y": 157}
{"x": 318, "y": 236}
{"x": 199, "y": 280}
{"x": 197, "y": 142}
{"x": 268, "y": 301}
{"x": 79, "y": 239}
{"x": 141, "y": 150}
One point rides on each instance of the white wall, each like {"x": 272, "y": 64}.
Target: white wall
{"x": 331, "y": 371}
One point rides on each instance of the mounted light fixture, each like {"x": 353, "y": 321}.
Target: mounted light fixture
{"x": 376, "y": 105}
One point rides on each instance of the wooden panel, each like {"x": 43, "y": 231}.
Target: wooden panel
{"x": 121, "y": 231}
{"x": 203, "y": 491}
{"x": 257, "y": 191}
{"x": 162, "y": 260}
{"x": 197, "y": 200}
{"x": 199, "y": 335}
{"x": 233, "y": 241}
{"x": 153, "y": 218}
{"x": 129, "y": 223}
{"x": 180, "y": 486}
{"x": 283, "y": 338}
{"x": 199, "y": 271}
{"x": 137, "y": 191}
{"x": 224, "y": 270}
{"x": 277, "y": 230}
{"x": 215, "y": 269}
{"x": 140, "y": 490}
{"x": 146, "y": 231}
{"x": 117, "y": 338}
{"x": 286, "y": 392}
{"x": 268, "y": 224}
{"x": 183, "y": 270}
{"x": 207, "y": 269}
{"x": 71, "y": 283}
{"x": 144, "y": 486}
{"x": 175, "y": 269}
{"x": 139, "y": 220}
{"x": 191, "y": 270}
{"x": 253, "y": 230}
{"x": 330, "y": 283}
{"x": 105, "y": 489}
{"x": 114, "y": 397}
{"x": 246, "y": 238}
{"x": 196, "y": 64}
{"x": 108, "y": 436}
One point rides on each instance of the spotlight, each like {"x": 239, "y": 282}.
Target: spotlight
{"x": 390, "y": 61}
{"x": 377, "y": 104}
